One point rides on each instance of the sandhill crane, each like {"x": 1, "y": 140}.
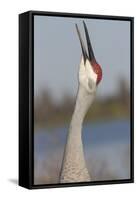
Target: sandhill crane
{"x": 90, "y": 74}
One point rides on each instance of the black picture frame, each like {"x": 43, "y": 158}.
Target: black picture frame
{"x": 26, "y": 96}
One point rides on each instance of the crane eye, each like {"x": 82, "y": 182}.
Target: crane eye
{"x": 96, "y": 71}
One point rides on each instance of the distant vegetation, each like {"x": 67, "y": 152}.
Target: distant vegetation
{"x": 49, "y": 113}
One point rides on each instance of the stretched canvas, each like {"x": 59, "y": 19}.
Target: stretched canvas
{"x": 76, "y": 99}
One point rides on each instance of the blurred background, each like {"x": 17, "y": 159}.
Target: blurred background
{"x": 106, "y": 128}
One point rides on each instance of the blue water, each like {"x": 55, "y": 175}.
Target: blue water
{"x": 107, "y": 142}
{"x": 107, "y": 132}
{"x": 93, "y": 134}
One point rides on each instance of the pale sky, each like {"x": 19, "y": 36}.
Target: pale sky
{"x": 57, "y": 53}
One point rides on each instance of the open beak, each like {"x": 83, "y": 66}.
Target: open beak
{"x": 85, "y": 56}
{"x": 90, "y": 55}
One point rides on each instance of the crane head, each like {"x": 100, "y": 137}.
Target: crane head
{"x": 92, "y": 69}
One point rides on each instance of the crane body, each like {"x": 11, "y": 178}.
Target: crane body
{"x": 74, "y": 168}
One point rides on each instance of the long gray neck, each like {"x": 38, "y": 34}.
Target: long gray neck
{"x": 74, "y": 166}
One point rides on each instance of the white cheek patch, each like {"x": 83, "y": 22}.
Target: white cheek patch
{"x": 87, "y": 77}
{"x": 91, "y": 85}
{"x": 90, "y": 73}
